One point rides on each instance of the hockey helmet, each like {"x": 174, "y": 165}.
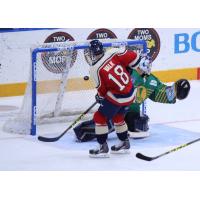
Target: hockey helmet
{"x": 145, "y": 65}
{"x": 96, "y": 47}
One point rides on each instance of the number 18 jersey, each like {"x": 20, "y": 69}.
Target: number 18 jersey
{"x": 112, "y": 79}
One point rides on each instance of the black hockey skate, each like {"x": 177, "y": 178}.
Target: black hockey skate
{"x": 101, "y": 152}
{"x": 122, "y": 148}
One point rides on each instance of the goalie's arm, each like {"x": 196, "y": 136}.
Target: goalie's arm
{"x": 161, "y": 92}
{"x": 168, "y": 94}
{"x": 164, "y": 94}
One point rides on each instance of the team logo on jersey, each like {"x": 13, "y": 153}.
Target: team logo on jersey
{"x": 141, "y": 94}
{"x": 57, "y": 62}
{"x": 151, "y": 37}
{"x": 99, "y": 34}
{"x": 153, "y": 83}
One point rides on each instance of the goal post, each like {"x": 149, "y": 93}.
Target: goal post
{"x": 47, "y": 77}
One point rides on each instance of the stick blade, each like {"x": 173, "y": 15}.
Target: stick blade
{"x": 44, "y": 139}
{"x": 143, "y": 157}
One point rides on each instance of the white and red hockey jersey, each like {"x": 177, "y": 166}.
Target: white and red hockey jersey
{"x": 112, "y": 79}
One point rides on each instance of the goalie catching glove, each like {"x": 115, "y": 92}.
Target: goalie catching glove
{"x": 182, "y": 88}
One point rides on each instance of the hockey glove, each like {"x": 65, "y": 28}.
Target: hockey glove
{"x": 98, "y": 98}
{"x": 182, "y": 88}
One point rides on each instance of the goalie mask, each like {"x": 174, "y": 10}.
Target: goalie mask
{"x": 145, "y": 65}
{"x": 96, "y": 51}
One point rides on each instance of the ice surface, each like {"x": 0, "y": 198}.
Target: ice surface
{"x": 170, "y": 126}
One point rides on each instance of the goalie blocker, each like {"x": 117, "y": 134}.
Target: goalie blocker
{"x": 137, "y": 127}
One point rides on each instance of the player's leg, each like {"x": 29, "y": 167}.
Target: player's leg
{"x": 122, "y": 133}
{"x": 105, "y": 112}
{"x": 101, "y": 131}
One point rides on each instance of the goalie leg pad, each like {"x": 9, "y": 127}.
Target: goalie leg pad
{"x": 136, "y": 122}
{"x": 85, "y": 131}
{"x": 137, "y": 125}
{"x": 138, "y": 135}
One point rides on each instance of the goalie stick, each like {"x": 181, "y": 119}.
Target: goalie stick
{"x": 148, "y": 158}
{"x": 44, "y": 139}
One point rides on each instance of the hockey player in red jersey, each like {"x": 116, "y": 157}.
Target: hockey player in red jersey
{"x": 115, "y": 92}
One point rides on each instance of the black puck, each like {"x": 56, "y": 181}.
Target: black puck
{"x": 86, "y": 78}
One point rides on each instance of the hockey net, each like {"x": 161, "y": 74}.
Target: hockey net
{"x": 59, "y": 87}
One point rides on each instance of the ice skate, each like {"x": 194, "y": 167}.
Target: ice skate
{"x": 122, "y": 148}
{"x": 101, "y": 152}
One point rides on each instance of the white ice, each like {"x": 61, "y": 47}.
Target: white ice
{"x": 170, "y": 126}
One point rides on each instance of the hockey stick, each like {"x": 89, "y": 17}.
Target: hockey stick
{"x": 44, "y": 139}
{"x": 147, "y": 158}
